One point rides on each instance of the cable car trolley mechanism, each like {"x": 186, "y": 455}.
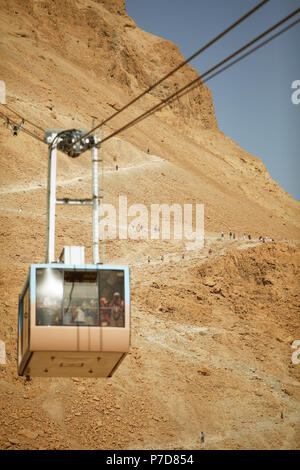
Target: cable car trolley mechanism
{"x": 74, "y": 318}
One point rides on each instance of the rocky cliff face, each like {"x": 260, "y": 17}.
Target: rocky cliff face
{"x": 115, "y": 6}
{"x": 144, "y": 60}
{"x": 67, "y": 62}
{"x": 100, "y": 37}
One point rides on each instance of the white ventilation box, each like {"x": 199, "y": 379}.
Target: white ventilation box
{"x": 72, "y": 255}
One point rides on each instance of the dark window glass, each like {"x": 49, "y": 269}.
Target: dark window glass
{"x": 80, "y": 303}
{"x": 112, "y": 306}
{"x": 20, "y": 334}
{"x": 26, "y": 312}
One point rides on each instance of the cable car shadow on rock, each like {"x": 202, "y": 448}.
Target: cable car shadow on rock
{"x": 74, "y": 321}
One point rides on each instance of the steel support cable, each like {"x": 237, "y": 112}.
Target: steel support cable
{"x": 198, "y": 79}
{"x": 188, "y": 86}
{"x": 182, "y": 64}
{"x": 22, "y": 117}
{"x": 23, "y": 129}
{"x": 283, "y": 30}
{"x": 194, "y": 86}
{"x": 27, "y": 131}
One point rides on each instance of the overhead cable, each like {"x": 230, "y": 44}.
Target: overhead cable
{"x": 200, "y": 78}
{"x": 23, "y": 129}
{"x": 202, "y": 49}
{"x": 22, "y": 117}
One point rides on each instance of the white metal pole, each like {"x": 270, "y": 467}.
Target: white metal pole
{"x": 95, "y": 206}
{"x": 51, "y": 202}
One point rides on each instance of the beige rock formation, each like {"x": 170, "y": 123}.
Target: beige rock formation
{"x": 211, "y": 333}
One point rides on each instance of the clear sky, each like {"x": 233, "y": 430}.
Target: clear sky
{"x": 253, "y": 99}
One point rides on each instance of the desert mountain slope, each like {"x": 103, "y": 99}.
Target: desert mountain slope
{"x": 67, "y": 62}
{"x": 211, "y": 332}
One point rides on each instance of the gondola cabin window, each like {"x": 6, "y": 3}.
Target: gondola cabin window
{"x": 49, "y": 296}
{"x": 111, "y": 298}
{"x": 24, "y": 321}
{"x": 80, "y": 297}
{"x": 80, "y": 300}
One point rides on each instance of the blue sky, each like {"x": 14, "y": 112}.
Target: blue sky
{"x": 253, "y": 98}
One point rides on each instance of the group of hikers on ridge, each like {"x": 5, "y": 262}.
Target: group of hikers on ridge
{"x": 243, "y": 236}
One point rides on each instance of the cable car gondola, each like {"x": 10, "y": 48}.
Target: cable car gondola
{"x": 74, "y": 318}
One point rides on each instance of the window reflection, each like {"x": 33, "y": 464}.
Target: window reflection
{"x": 49, "y": 292}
